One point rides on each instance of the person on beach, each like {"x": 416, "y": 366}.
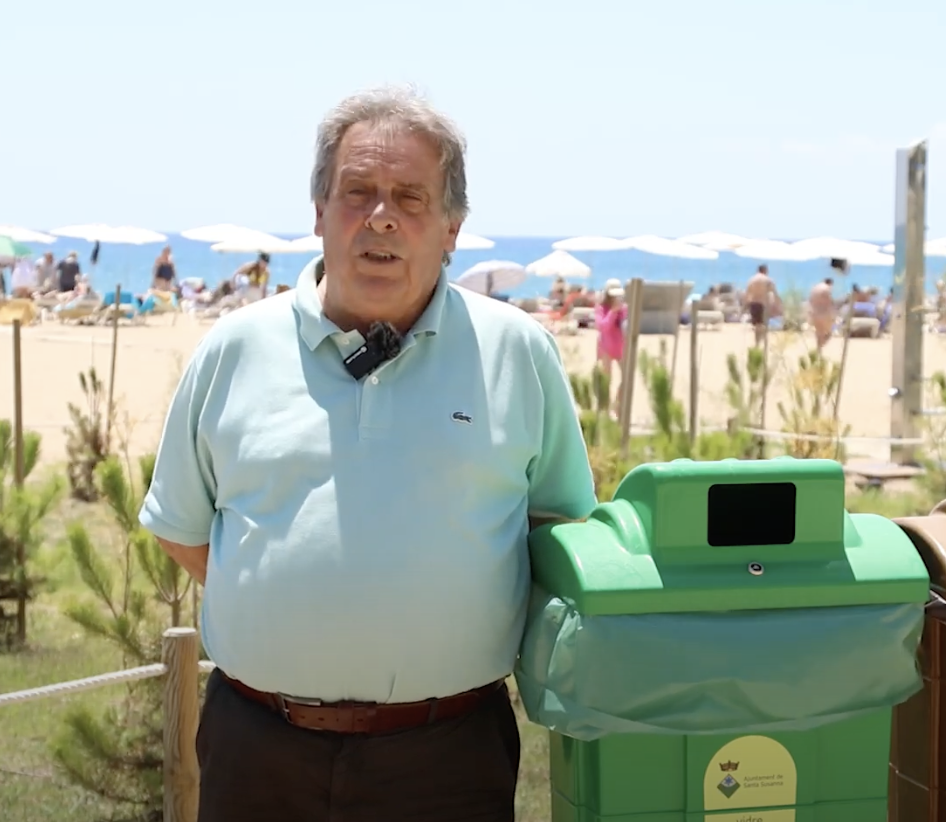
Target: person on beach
{"x": 610, "y": 314}
{"x": 46, "y": 274}
{"x": 822, "y": 311}
{"x": 362, "y": 533}
{"x": 70, "y": 272}
{"x": 164, "y": 273}
{"x": 252, "y": 278}
{"x": 761, "y": 295}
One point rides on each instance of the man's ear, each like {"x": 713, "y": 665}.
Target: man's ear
{"x": 319, "y": 213}
{"x": 453, "y": 230}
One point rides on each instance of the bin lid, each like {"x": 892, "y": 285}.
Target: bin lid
{"x": 731, "y": 535}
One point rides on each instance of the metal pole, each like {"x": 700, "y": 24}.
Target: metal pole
{"x": 906, "y": 322}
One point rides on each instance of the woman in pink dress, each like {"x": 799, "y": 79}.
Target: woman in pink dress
{"x": 610, "y": 313}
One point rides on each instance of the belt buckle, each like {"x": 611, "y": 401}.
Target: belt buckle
{"x": 283, "y": 703}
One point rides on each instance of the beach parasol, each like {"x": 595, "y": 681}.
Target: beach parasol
{"x": 775, "y": 251}
{"x": 589, "y": 243}
{"x": 870, "y": 258}
{"x": 249, "y": 241}
{"x": 931, "y": 248}
{"x": 25, "y": 235}
{"x": 715, "y": 240}
{"x": 473, "y": 242}
{"x": 651, "y": 244}
{"x": 309, "y": 245}
{"x": 221, "y": 232}
{"x": 833, "y": 248}
{"x": 11, "y": 249}
{"x": 119, "y": 235}
{"x": 558, "y": 264}
{"x": 492, "y": 276}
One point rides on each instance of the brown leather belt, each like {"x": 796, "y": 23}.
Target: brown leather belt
{"x": 366, "y": 718}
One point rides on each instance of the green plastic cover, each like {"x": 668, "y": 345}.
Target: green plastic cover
{"x": 707, "y": 673}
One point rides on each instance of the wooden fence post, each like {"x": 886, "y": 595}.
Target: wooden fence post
{"x": 180, "y": 653}
{"x": 19, "y": 476}
{"x": 694, "y": 372}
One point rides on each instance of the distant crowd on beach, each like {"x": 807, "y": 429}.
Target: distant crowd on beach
{"x": 62, "y": 287}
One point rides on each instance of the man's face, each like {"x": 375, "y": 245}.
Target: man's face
{"x": 383, "y": 227}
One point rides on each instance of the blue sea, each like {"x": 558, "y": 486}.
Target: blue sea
{"x": 131, "y": 266}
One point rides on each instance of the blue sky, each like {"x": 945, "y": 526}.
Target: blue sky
{"x": 767, "y": 118}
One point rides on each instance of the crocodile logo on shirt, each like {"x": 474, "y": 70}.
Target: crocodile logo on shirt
{"x": 460, "y": 416}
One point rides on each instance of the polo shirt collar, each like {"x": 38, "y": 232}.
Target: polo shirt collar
{"x": 314, "y": 326}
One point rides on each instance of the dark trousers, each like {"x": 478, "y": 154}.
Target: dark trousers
{"x": 256, "y": 767}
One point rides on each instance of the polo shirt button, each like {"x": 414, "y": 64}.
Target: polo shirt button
{"x": 374, "y": 380}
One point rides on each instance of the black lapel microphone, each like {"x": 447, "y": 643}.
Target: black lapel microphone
{"x": 382, "y": 343}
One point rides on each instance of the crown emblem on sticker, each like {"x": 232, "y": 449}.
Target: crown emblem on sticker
{"x": 729, "y": 766}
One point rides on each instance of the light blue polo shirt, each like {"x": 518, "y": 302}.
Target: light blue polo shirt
{"x": 368, "y": 539}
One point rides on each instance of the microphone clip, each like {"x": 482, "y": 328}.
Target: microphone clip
{"x": 382, "y": 343}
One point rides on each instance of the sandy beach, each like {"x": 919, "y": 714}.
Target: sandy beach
{"x": 151, "y": 356}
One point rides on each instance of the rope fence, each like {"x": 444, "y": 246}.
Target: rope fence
{"x": 181, "y": 667}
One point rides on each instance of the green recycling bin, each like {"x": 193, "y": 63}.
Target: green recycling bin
{"x": 722, "y": 642}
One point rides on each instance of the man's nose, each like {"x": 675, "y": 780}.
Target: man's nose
{"x": 381, "y": 219}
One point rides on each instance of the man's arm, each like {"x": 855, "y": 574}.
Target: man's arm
{"x": 180, "y": 506}
{"x": 561, "y": 485}
{"x": 191, "y": 559}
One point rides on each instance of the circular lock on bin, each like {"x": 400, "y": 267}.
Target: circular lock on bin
{"x": 756, "y": 569}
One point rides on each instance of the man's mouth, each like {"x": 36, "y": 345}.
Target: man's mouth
{"x": 380, "y": 256}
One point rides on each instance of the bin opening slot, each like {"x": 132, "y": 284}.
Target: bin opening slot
{"x": 751, "y": 514}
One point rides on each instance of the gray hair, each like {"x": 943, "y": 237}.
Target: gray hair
{"x": 398, "y": 106}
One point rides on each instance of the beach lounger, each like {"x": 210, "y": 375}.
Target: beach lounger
{"x": 223, "y": 306}
{"x": 127, "y": 309}
{"x": 19, "y": 309}
{"x": 80, "y": 310}
{"x": 160, "y": 303}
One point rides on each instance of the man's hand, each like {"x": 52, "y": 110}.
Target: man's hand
{"x": 192, "y": 559}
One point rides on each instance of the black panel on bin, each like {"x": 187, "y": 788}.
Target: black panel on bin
{"x": 751, "y": 514}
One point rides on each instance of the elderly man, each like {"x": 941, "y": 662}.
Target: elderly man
{"x": 360, "y": 529}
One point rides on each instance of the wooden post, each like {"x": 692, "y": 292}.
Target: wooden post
{"x": 19, "y": 474}
{"x": 765, "y": 379}
{"x": 676, "y": 336}
{"x": 634, "y": 293}
{"x": 180, "y": 653}
{"x": 694, "y": 375}
{"x": 116, "y": 308}
{"x": 836, "y": 413}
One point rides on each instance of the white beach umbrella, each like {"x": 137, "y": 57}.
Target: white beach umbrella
{"x": 931, "y": 248}
{"x": 775, "y": 251}
{"x": 214, "y": 233}
{"x": 870, "y": 258}
{"x": 25, "y": 235}
{"x": 473, "y": 242}
{"x": 253, "y": 242}
{"x": 934, "y": 248}
{"x": 558, "y": 264}
{"x": 828, "y": 247}
{"x": 589, "y": 243}
{"x": 306, "y": 245}
{"x": 502, "y": 275}
{"x": 120, "y": 235}
{"x": 716, "y": 240}
{"x": 651, "y": 244}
